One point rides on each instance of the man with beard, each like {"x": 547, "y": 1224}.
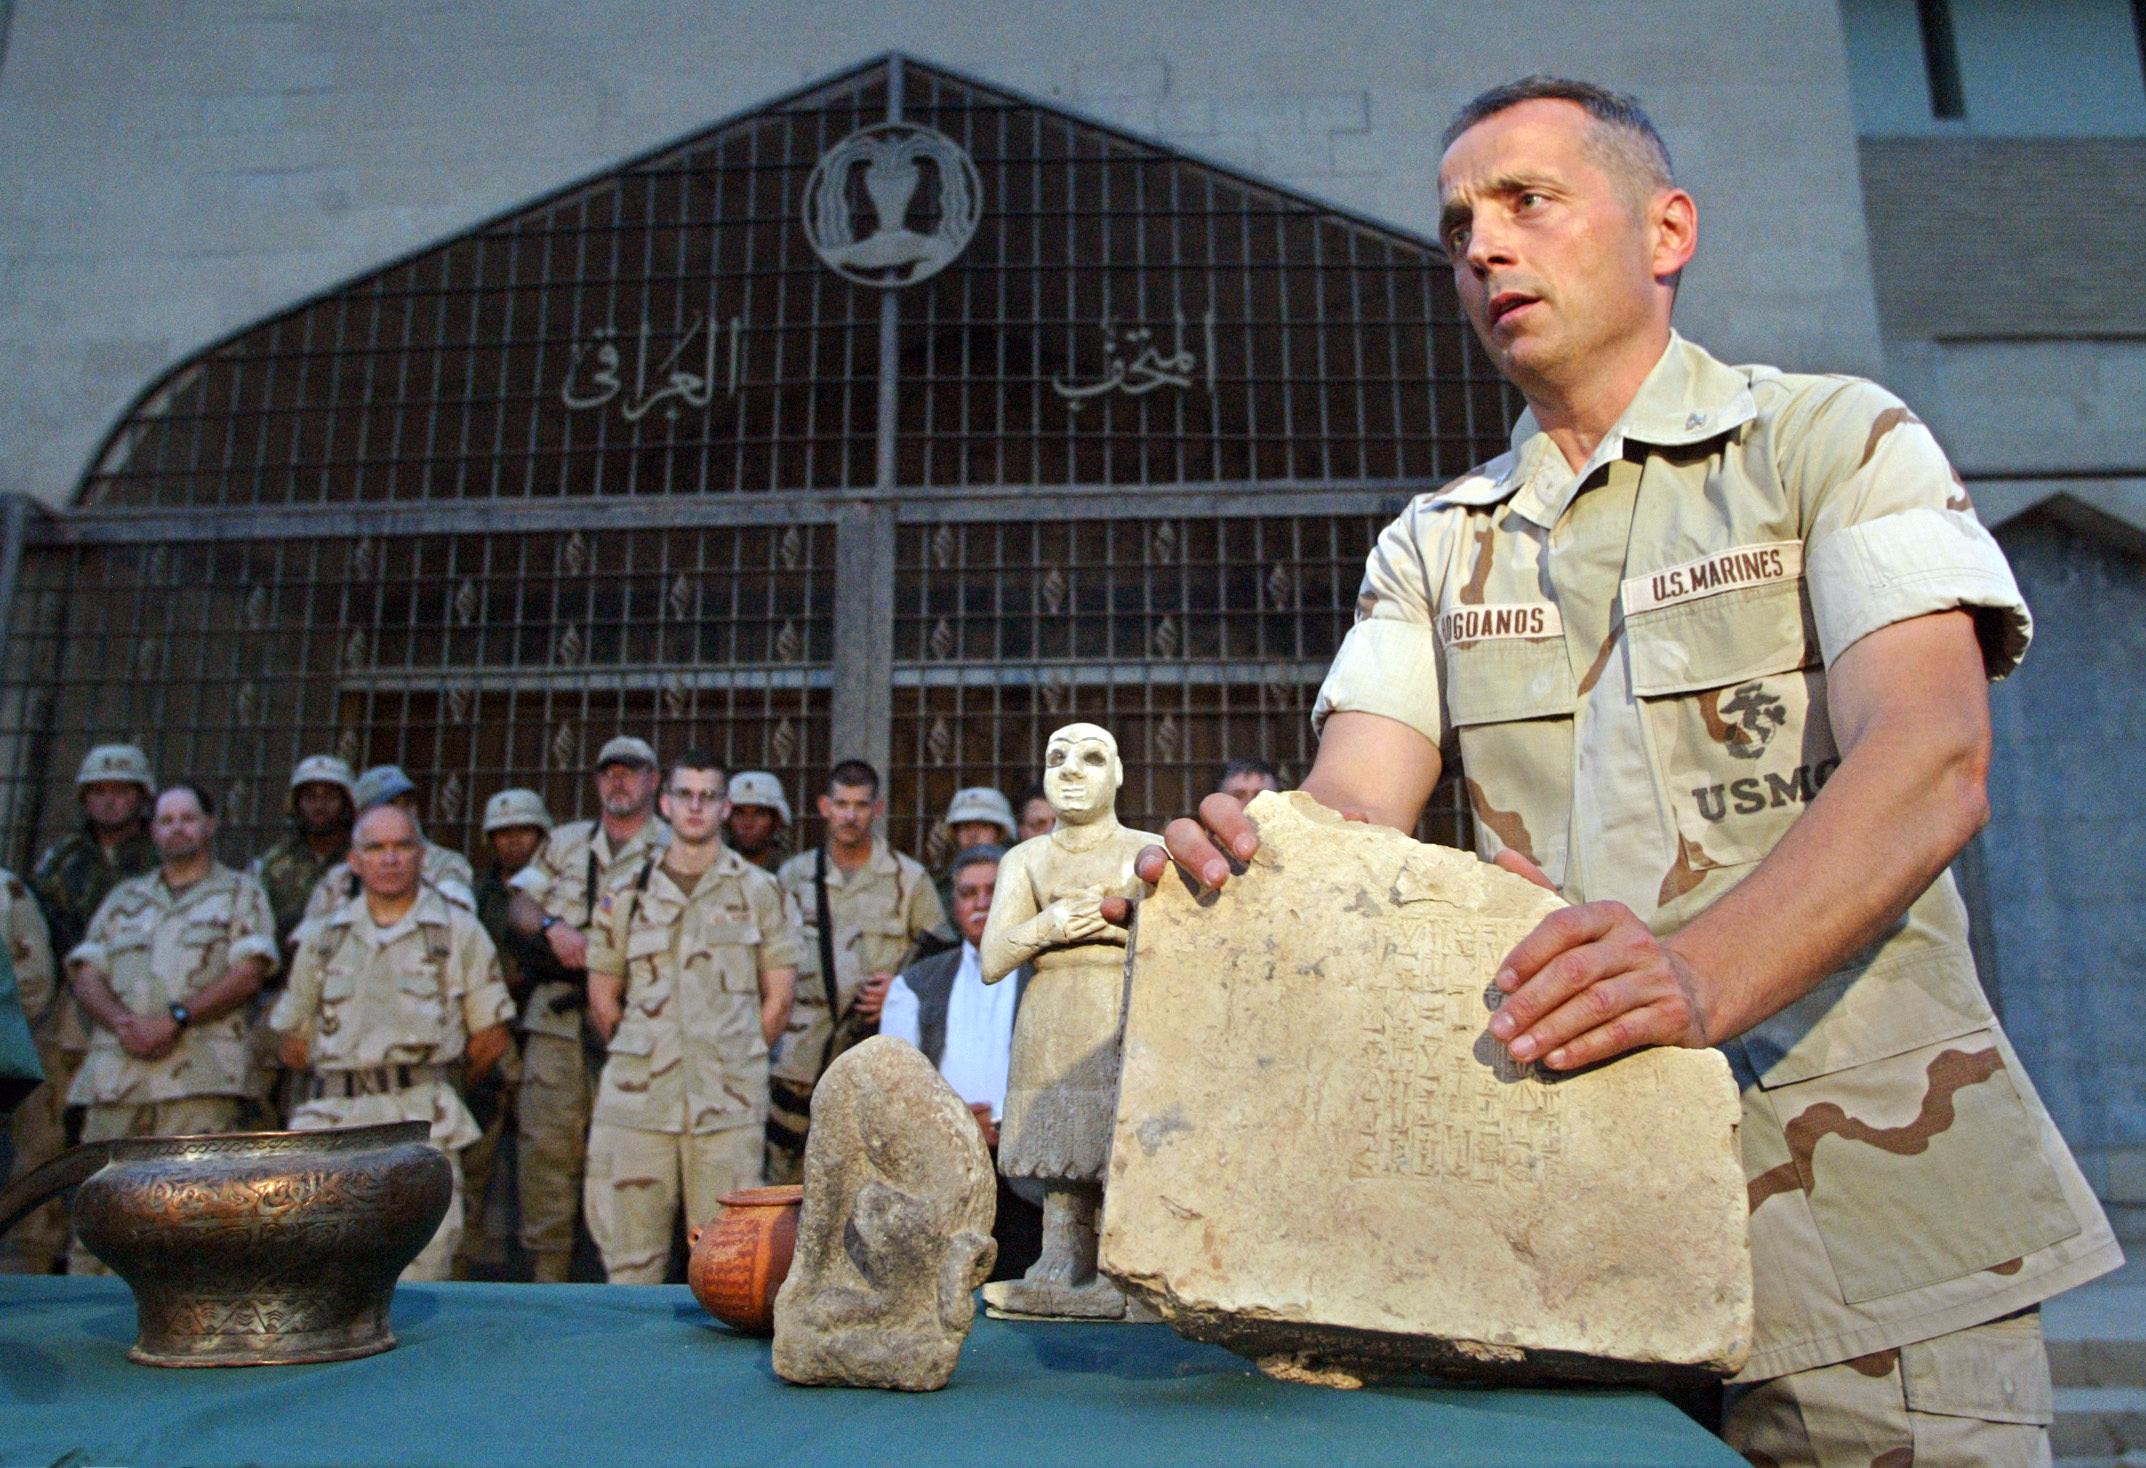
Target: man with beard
{"x": 759, "y": 818}
{"x": 323, "y": 804}
{"x": 691, "y": 973}
{"x": 1713, "y": 645}
{"x": 165, "y": 972}
{"x": 555, "y": 901}
{"x": 393, "y": 996}
{"x": 862, "y": 906}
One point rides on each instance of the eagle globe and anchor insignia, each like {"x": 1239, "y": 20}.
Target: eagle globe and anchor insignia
{"x": 896, "y": 231}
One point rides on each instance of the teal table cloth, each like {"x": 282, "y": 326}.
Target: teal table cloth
{"x": 588, "y": 1374}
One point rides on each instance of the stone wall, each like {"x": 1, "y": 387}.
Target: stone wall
{"x": 2063, "y": 862}
{"x": 172, "y": 170}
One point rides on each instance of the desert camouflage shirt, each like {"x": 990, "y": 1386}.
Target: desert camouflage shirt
{"x": 157, "y": 948}
{"x": 558, "y": 878}
{"x": 408, "y": 994}
{"x": 689, "y": 1054}
{"x": 1630, "y": 664}
{"x": 878, "y": 911}
{"x": 29, "y": 945}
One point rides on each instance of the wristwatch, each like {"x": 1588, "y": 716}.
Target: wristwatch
{"x": 181, "y": 1016}
{"x": 549, "y": 919}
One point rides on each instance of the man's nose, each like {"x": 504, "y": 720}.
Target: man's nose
{"x": 1489, "y": 247}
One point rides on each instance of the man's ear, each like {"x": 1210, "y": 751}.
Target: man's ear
{"x": 1674, "y": 221}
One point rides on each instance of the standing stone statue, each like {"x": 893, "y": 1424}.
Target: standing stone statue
{"x": 895, "y": 1231}
{"x": 1062, "y": 1084}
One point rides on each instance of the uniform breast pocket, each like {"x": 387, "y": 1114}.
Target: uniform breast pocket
{"x": 632, "y": 1052}
{"x": 733, "y": 950}
{"x": 1510, "y": 700}
{"x": 418, "y": 996}
{"x": 1733, "y": 694}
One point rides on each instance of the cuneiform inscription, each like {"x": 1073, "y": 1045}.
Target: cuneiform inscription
{"x": 1440, "y": 1099}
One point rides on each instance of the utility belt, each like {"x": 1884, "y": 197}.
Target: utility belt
{"x": 372, "y": 1080}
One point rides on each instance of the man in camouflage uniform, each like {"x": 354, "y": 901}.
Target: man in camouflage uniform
{"x": 391, "y": 998}
{"x": 36, "y": 1133}
{"x": 976, "y": 816}
{"x": 78, "y": 872}
{"x": 556, "y": 897}
{"x": 323, "y": 796}
{"x": 879, "y": 903}
{"x": 170, "y": 960}
{"x": 515, "y": 825}
{"x": 1712, "y": 644}
{"x": 691, "y": 974}
{"x": 759, "y": 819}
{"x": 448, "y": 871}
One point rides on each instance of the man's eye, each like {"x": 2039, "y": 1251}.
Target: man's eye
{"x": 1456, "y": 240}
{"x": 1531, "y": 199}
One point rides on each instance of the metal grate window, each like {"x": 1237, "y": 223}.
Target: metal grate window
{"x": 1193, "y": 640}
{"x": 638, "y": 457}
{"x": 475, "y": 661}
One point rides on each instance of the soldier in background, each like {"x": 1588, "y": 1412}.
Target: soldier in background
{"x": 516, "y": 824}
{"x": 170, "y": 960}
{"x": 323, "y": 801}
{"x": 1037, "y": 817}
{"x": 691, "y": 972}
{"x": 759, "y": 819}
{"x": 449, "y": 871}
{"x": 394, "y": 999}
{"x": 323, "y": 804}
{"x": 555, "y": 900}
{"x": 78, "y": 872}
{"x": 36, "y": 1131}
{"x": 877, "y": 903}
{"x": 976, "y": 816}
{"x": 1241, "y": 779}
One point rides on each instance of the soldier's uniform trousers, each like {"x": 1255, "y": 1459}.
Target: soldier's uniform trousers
{"x": 188, "y": 1116}
{"x": 637, "y": 1180}
{"x": 1977, "y": 1398}
{"x": 36, "y": 1134}
{"x": 480, "y": 1167}
{"x": 379, "y": 1094}
{"x": 551, "y": 1119}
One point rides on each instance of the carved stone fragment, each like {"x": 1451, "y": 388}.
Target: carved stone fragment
{"x": 1324, "y": 1162}
{"x": 895, "y": 1231}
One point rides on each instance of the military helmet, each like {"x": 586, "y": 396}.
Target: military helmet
{"x": 381, "y": 784}
{"x": 325, "y": 769}
{"x": 759, "y": 787}
{"x": 121, "y": 762}
{"x": 516, "y": 808}
{"x": 981, "y": 803}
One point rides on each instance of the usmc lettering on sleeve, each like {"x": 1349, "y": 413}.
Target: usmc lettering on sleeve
{"x": 1729, "y": 570}
{"x": 1515, "y": 619}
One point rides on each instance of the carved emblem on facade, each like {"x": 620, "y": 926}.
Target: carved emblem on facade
{"x": 892, "y": 204}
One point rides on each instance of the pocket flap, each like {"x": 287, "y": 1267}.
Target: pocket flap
{"x": 1872, "y": 1012}
{"x": 1729, "y": 638}
{"x": 648, "y": 942}
{"x": 1502, "y": 679}
{"x": 1997, "y": 1372}
{"x": 633, "y": 1040}
{"x": 728, "y": 933}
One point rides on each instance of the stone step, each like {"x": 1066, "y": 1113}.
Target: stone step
{"x": 2099, "y": 1424}
{"x": 2097, "y": 1334}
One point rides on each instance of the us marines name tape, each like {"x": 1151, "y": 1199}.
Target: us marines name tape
{"x": 1729, "y": 570}
{"x": 1514, "y": 619}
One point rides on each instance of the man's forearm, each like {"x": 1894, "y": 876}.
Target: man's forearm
{"x": 238, "y": 984}
{"x": 778, "y": 991}
{"x": 95, "y": 992}
{"x": 524, "y": 915}
{"x": 1894, "y": 814}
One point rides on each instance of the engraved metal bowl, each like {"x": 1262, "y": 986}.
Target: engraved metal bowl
{"x": 255, "y": 1248}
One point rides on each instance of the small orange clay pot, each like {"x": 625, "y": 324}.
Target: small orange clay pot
{"x": 742, "y": 1257}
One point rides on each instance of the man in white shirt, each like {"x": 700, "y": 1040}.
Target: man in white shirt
{"x": 964, "y": 1026}
{"x": 942, "y": 1005}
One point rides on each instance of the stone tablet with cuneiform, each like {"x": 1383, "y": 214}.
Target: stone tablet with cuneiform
{"x": 1324, "y": 1162}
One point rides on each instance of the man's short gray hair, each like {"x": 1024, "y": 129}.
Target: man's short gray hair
{"x": 1623, "y": 140}
{"x": 975, "y": 856}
